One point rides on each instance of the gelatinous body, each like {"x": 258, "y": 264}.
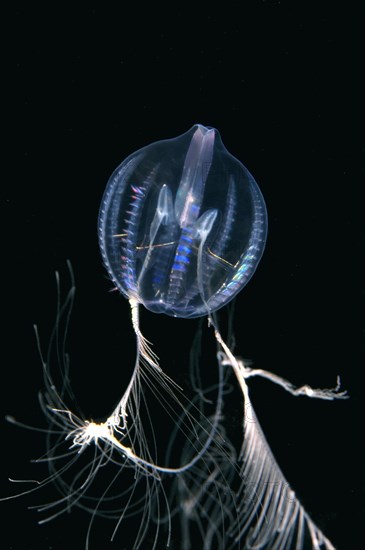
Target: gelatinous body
{"x": 182, "y": 225}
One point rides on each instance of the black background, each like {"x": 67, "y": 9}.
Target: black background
{"x": 88, "y": 86}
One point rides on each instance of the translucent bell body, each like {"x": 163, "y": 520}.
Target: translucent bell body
{"x": 182, "y": 225}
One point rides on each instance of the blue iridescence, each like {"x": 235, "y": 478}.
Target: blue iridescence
{"x": 182, "y": 225}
